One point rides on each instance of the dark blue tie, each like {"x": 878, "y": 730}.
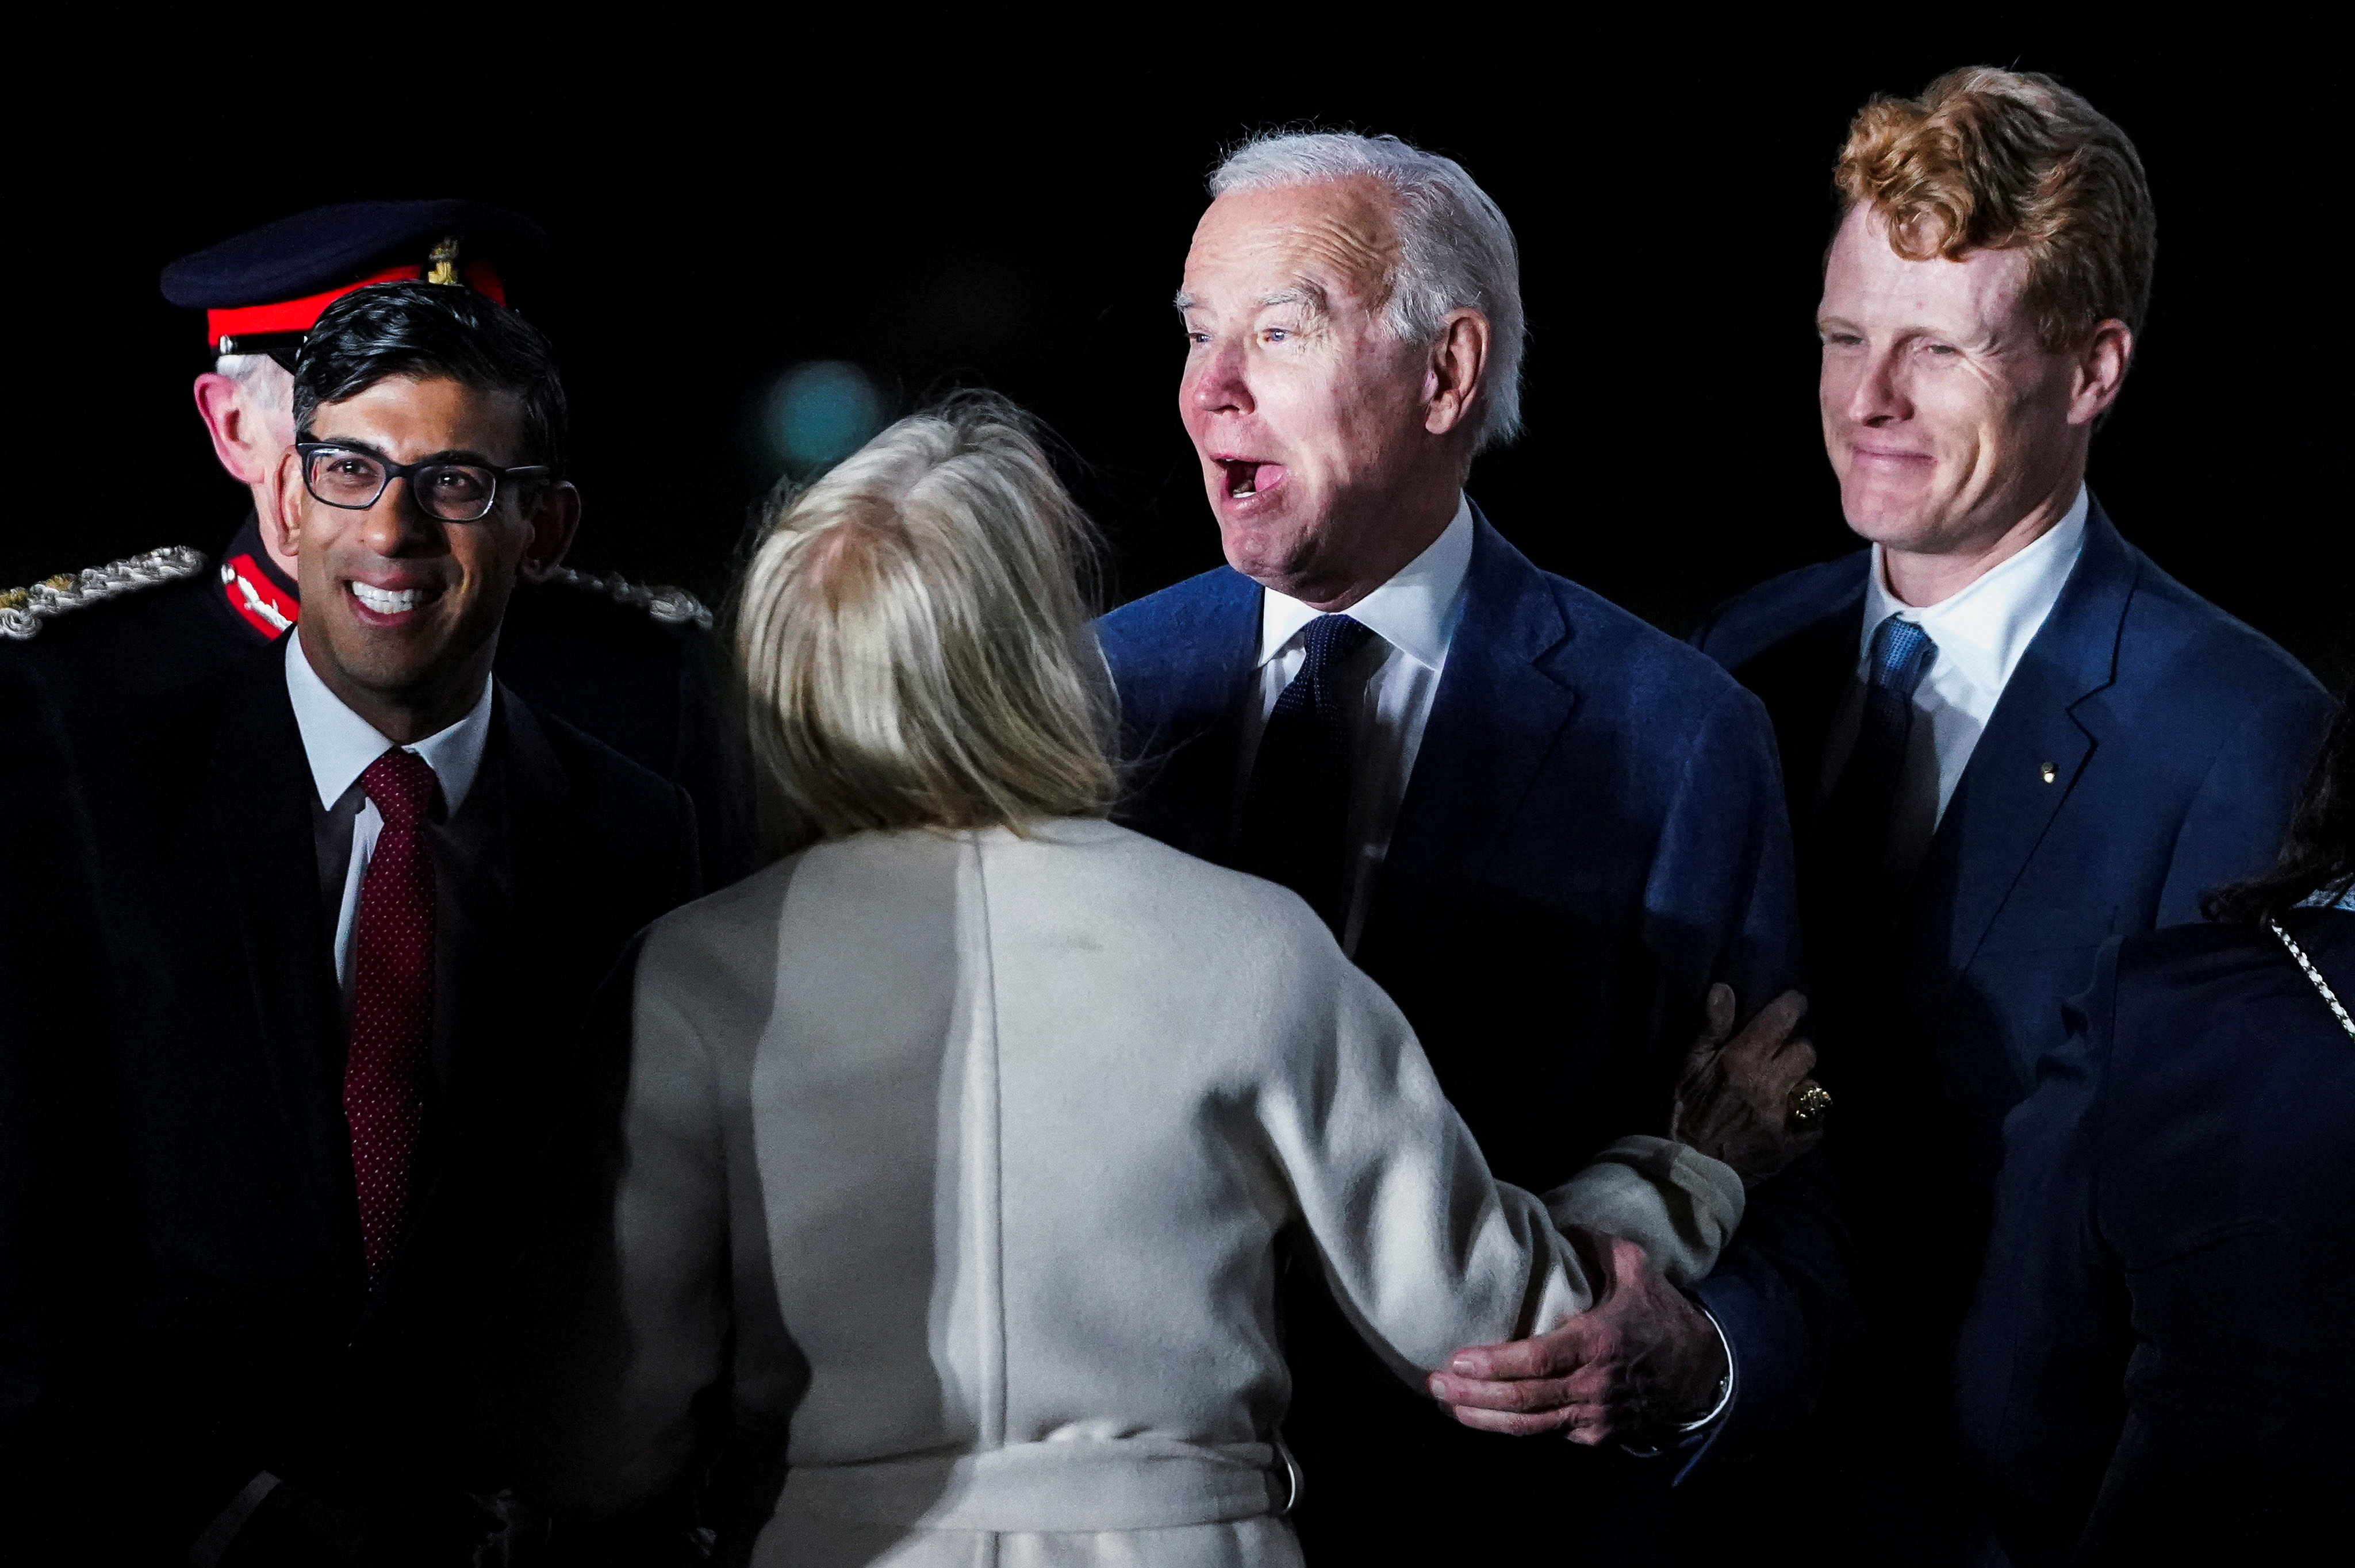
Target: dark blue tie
{"x": 1852, "y": 830}
{"x": 1296, "y": 819}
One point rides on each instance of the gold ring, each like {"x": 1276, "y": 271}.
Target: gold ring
{"x": 1810, "y": 1101}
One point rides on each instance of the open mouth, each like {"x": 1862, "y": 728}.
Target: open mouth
{"x": 1247, "y": 477}
{"x": 392, "y": 601}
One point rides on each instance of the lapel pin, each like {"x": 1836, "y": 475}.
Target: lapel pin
{"x": 2049, "y": 772}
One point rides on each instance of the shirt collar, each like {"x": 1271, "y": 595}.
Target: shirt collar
{"x": 340, "y": 744}
{"x": 1415, "y": 612}
{"x": 1982, "y": 630}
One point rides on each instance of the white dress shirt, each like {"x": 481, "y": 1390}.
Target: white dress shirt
{"x": 1980, "y": 634}
{"x": 340, "y": 746}
{"x": 1389, "y": 683}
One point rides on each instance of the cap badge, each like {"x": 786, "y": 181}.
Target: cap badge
{"x": 442, "y": 266}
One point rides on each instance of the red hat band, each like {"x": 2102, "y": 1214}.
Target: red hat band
{"x": 303, "y": 315}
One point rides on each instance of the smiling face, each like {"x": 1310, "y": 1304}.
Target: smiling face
{"x": 1326, "y": 453}
{"x": 1950, "y": 427}
{"x": 401, "y": 609}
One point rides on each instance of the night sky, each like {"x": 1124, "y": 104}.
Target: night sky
{"x": 1023, "y": 228}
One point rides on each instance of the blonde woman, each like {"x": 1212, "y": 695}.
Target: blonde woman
{"x": 955, "y": 1146}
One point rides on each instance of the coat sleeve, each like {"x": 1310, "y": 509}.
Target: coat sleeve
{"x": 1423, "y": 1249}
{"x": 618, "y": 1315}
{"x": 2042, "y": 1366}
{"x": 1722, "y": 905}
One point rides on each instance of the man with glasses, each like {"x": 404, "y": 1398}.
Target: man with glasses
{"x": 330, "y": 914}
{"x": 631, "y": 666}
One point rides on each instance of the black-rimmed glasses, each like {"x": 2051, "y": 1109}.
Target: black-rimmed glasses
{"x": 354, "y": 478}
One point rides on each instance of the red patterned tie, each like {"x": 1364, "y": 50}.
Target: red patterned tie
{"x": 392, "y": 999}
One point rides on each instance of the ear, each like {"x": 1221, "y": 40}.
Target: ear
{"x": 1452, "y": 379}
{"x": 283, "y": 525}
{"x": 553, "y": 519}
{"x": 236, "y": 434}
{"x": 2099, "y": 371}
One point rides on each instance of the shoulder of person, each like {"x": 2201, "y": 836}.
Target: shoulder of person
{"x": 97, "y": 641}
{"x": 2173, "y": 636}
{"x": 1756, "y": 620}
{"x": 600, "y": 780}
{"x": 1624, "y": 667}
{"x": 1169, "y": 616}
{"x": 570, "y": 603}
{"x": 144, "y": 590}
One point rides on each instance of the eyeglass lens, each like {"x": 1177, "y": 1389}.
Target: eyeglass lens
{"x": 455, "y": 492}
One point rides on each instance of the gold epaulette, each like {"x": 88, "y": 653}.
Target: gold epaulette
{"x": 22, "y": 610}
{"x": 673, "y": 605}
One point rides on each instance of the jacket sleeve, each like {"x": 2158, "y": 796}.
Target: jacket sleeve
{"x": 2237, "y": 820}
{"x": 1722, "y": 905}
{"x": 617, "y": 1317}
{"x": 2042, "y": 1366}
{"x": 1423, "y": 1249}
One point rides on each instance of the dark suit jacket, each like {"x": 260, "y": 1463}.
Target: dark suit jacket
{"x": 2145, "y": 751}
{"x": 1593, "y": 832}
{"x": 188, "y": 1303}
{"x": 2157, "y": 1359}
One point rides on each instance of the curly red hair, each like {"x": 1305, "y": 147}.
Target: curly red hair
{"x": 2000, "y": 160}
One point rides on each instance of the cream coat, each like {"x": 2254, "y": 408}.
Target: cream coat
{"x": 981, "y": 1144}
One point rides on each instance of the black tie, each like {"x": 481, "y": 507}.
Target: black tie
{"x": 1295, "y": 819}
{"x": 1851, "y": 869}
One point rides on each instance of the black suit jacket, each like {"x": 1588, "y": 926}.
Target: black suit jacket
{"x": 2156, "y": 1367}
{"x": 188, "y": 1303}
{"x": 1593, "y": 832}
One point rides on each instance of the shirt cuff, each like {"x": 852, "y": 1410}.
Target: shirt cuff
{"x": 1725, "y": 1385}
{"x": 1686, "y": 1429}
{"x": 223, "y": 1530}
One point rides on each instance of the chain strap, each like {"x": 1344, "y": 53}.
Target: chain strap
{"x": 675, "y": 606}
{"x": 2315, "y": 975}
{"x": 22, "y": 610}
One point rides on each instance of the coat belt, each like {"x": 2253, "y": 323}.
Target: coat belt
{"x": 1088, "y": 1484}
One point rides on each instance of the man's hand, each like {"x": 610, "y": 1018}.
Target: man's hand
{"x": 1735, "y": 1101}
{"x": 1639, "y": 1363}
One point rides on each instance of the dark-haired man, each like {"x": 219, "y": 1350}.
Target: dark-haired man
{"x": 328, "y": 915}
{"x": 629, "y": 665}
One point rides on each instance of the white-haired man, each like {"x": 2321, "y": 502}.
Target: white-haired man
{"x": 1542, "y": 826}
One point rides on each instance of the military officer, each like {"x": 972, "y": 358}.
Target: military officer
{"x": 631, "y": 666}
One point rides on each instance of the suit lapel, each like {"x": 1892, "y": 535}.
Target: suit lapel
{"x": 1178, "y": 716}
{"x": 1501, "y": 705}
{"x": 262, "y": 809}
{"x": 2004, "y": 801}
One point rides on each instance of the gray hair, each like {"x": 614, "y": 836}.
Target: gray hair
{"x": 915, "y": 641}
{"x": 260, "y": 378}
{"x": 1455, "y": 249}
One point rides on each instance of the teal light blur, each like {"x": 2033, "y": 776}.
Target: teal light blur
{"x": 820, "y": 411}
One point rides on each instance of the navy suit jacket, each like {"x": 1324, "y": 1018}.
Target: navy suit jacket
{"x": 1593, "y": 832}
{"x": 2145, "y": 751}
{"x": 2157, "y": 1368}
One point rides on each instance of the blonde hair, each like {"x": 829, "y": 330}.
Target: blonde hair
{"x": 2000, "y": 160}
{"x": 914, "y": 641}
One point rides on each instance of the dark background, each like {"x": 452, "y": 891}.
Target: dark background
{"x": 722, "y": 213}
